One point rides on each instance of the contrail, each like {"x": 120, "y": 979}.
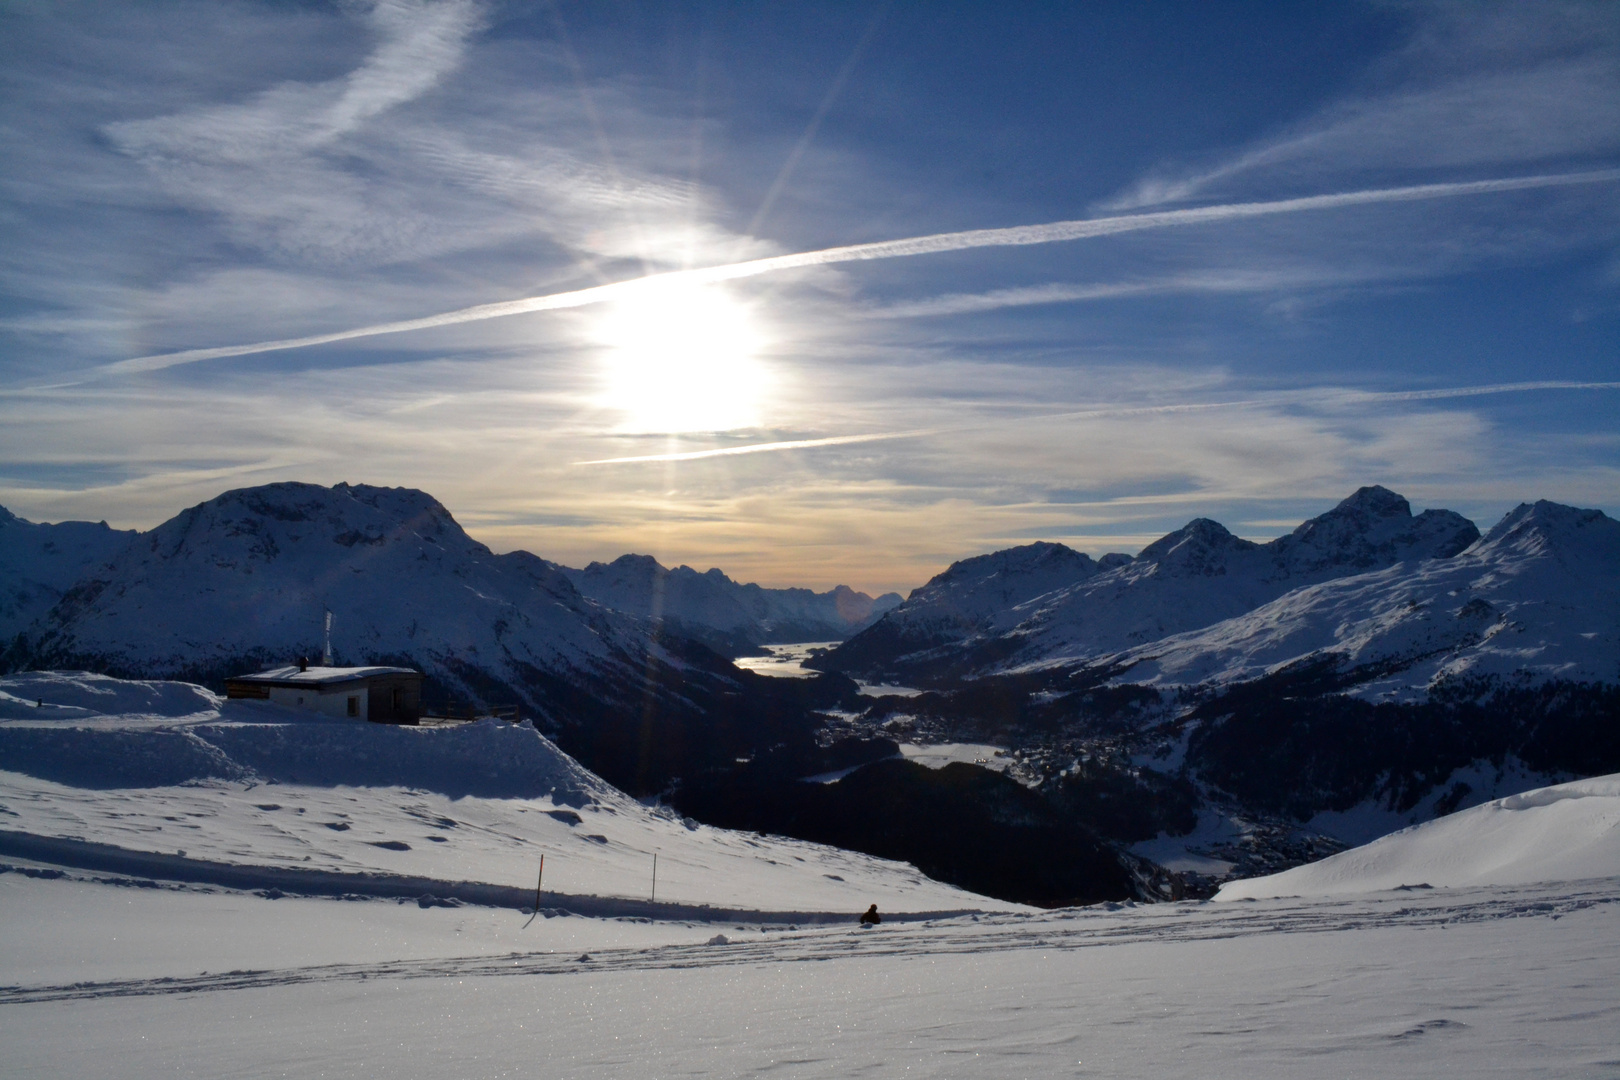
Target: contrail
{"x": 1476, "y": 391}
{"x": 1016, "y": 236}
{"x": 1101, "y": 411}
{"x": 761, "y": 448}
{"x": 1062, "y": 293}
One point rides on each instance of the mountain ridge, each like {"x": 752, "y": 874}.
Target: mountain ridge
{"x": 731, "y": 617}
{"x": 1192, "y": 577}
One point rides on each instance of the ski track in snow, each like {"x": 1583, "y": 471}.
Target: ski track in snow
{"x": 1100, "y": 926}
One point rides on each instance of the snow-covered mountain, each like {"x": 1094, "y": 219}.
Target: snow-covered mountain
{"x": 250, "y": 575}
{"x": 1047, "y": 603}
{"x": 1375, "y": 666}
{"x": 964, "y": 600}
{"x": 41, "y": 562}
{"x": 245, "y": 580}
{"x": 1536, "y": 598}
{"x": 721, "y": 612}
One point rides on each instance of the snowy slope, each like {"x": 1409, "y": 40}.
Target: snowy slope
{"x": 40, "y": 562}
{"x": 711, "y": 601}
{"x": 966, "y": 599}
{"x": 1195, "y": 576}
{"x": 1568, "y": 832}
{"x": 140, "y": 766}
{"x": 1538, "y": 597}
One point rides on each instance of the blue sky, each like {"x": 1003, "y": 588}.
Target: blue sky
{"x": 184, "y": 180}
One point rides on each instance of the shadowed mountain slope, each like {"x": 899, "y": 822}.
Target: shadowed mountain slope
{"x": 729, "y": 617}
{"x": 1194, "y": 577}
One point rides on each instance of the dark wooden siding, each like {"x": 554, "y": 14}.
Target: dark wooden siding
{"x": 394, "y": 699}
{"x": 235, "y": 688}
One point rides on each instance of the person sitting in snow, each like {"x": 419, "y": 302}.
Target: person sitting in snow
{"x": 871, "y": 917}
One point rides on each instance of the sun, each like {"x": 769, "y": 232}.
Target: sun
{"x": 682, "y": 358}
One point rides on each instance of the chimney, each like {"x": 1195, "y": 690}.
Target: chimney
{"x": 303, "y": 663}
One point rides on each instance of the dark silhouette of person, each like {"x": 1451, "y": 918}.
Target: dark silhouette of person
{"x": 871, "y": 917}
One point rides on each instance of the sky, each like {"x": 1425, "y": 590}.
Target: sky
{"x": 816, "y": 294}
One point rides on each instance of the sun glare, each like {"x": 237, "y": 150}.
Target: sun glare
{"x": 682, "y": 358}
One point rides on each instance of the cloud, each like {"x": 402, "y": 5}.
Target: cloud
{"x": 760, "y": 448}
{"x": 1065, "y": 293}
{"x": 1337, "y": 398}
{"x": 412, "y": 156}
{"x": 418, "y": 45}
{"x": 1017, "y": 236}
{"x": 1004, "y": 466}
{"x": 1476, "y": 87}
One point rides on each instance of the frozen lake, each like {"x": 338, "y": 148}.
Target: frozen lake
{"x": 786, "y": 662}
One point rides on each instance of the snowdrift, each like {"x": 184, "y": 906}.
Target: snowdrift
{"x": 1567, "y": 832}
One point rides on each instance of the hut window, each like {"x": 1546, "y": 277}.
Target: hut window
{"x": 354, "y": 706}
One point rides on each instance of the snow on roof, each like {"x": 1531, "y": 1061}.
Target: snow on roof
{"x": 319, "y": 676}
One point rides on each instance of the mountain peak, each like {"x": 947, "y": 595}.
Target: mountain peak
{"x": 1550, "y": 526}
{"x": 1199, "y": 547}
{"x": 631, "y": 561}
{"x": 256, "y": 523}
{"x": 1375, "y": 500}
{"x": 1374, "y": 527}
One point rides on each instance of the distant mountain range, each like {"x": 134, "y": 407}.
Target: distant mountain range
{"x": 1044, "y": 603}
{"x": 1372, "y": 661}
{"x": 731, "y": 618}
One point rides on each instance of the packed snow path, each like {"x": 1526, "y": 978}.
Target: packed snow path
{"x": 762, "y": 943}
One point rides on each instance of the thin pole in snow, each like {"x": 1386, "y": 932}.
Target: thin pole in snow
{"x": 655, "y": 879}
{"x": 537, "y": 881}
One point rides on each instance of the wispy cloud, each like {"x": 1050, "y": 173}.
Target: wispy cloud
{"x": 267, "y": 165}
{"x": 1017, "y": 236}
{"x": 1317, "y": 396}
{"x": 1490, "y": 86}
{"x": 761, "y": 448}
{"x": 418, "y": 45}
{"x": 1236, "y": 281}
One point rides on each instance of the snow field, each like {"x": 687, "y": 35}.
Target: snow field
{"x": 499, "y": 841}
{"x": 86, "y": 926}
{"x": 1567, "y": 832}
{"x": 1487, "y": 983}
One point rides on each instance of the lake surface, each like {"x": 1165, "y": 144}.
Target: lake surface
{"x": 786, "y": 662}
